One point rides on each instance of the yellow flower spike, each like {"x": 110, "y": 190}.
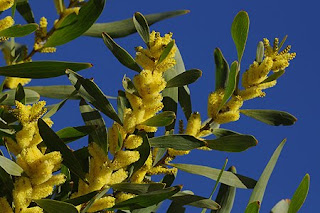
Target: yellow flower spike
{"x": 280, "y": 60}
{"x": 234, "y": 104}
{"x": 12, "y": 82}
{"x": 96, "y": 152}
{"x": 6, "y": 22}
{"x": 102, "y": 203}
{"x": 137, "y": 106}
{"x": 68, "y": 11}
{"x": 139, "y": 175}
{"x": 133, "y": 141}
{"x": 54, "y": 158}
{"x": 22, "y": 193}
{"x": 173, "y": 152}
{"x": 162, "y": 170}
{"x": 194, "y": 124}
{"x": 28, "y": 114}
{"x": 124, "y": 158}
{"x": 35, "y": 209}
{"x": 129, "y": 121}
{"x": 31, "y": 154}
{"x": 227, "y": 117}
{"x": 251, "y": 93}
{"x": 214, "y": 102}
{"x": 4, "y": 205}
{"x": 113, "y": 136}
{"x": 6, "y": 4}
{"x": 45, "y": 189}
{"x": 118, "y": 176}
{"x": 25, "y": 136}
{"x": 48, "y": 50}
{"x": 42, "y": 31}
{"x": 13, "y": 146}
{"x": 122, "y": 196}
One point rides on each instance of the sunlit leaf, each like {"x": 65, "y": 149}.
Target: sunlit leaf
{"x": 220, "y": 132}
{"x": 273, "y": 76}
{"x": 141, "y": 26}
{"x": 54, "y": 206}
{"x": 166, "y": 51}
{"x": 122, "y": 104}
{"x": 178, "y": 142}
{"x": 300, "y": 195}
{"x": 232, "y": 143}
{"x": 56, "y": 91}
{"x": 10, "y": 167}
{"x": 183, "y": 198}
{"x": 97, "y": 197}
{"x": 281, "y": 207}
{"x": 231, "y": 84}
{"x": 19, "y": 30}
{"x": 185, "y": 78}
{"x": 24, "y": 9}
{"x": 69, "y": 134}
{"x": 138, "y": 188}
{"x": 253, "y": 207}
{"x": 31, "y": 97}
{"x": 162, "y": 119}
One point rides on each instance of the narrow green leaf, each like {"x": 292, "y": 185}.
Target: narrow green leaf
{"x": 92, "y": 93}
{"x": 232, "y": 83}
{"x": 70, "y": 134}
{"x": 282, "y": 42}
{"x": 178, "y": 142}
{"x": 41, "y": 69}
{"x": 60, "y": 7}
{"x": 144, "y": 151}
{"x": 10, "y": 167}
{"x": 220, "y": 132}
{"x": 258, "y": 191}
{"x": 129, "y": 86}
{"x": 274, "y": 76}
{"x": 97, "y": 197}
{"x": 126, "y": 27}
{"x": 121, "y": 54}
{"x": 300, "y": 195}
{"x": 24, "y": 9}
{"x": 160, "y": 153}
{"x": 166, "y": 51}
{"x": 227, "y": 177}
{"x": 54, "y": 143}
{"x": 54, "y": 206}
{"x": 183, "y": 198}
{"x": 147, "y": 199}
{"x": 55, "y": 108}
{"x": 138, "y": 188}
{"x": 239, "y": 32}
{"x": 19, "y": 30}
{"x": 185, "y": 78}
{"x": 20, "y": 94}
{"x": 162, "y": 119}
{"x": 253, "y": 207}
{"x": 281, "y": 207}
{"x": 122, "y": 104}
{"x": 176, "y": 208}
{"x": 141, "y": 25}
{"x": 92, "y": 117}
{"x": 31, "y": 97}
{"x": 271, "y": 117}
{"x": 222, "y": 69}
{"x": 56, "y": 91}
{"x": 75, "y": 25}
{"x": 3, "y": 98}
{"x": 82, "y": 199}
{"x": 232, "y": 143}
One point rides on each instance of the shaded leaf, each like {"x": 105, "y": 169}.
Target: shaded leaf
{"x": 70, "y": 134}
{"x": 253, "y": 207}
{"x": 144, "y": 151}
{"x": 231, "y": 84}
{"x": 121, "y": 54}
{"x": 54, "y": 143}
{"x": 273, "y": 76}
{"x": 185, "y": 78}
{"x": 3, "y": 98}
{"x": 75, "y": 25}
{"x": 56, "y": 91}
{"x": 183, "y": 198}
{"x": 300, "y": 195}
{"x": 126, "y": 27}
{"x": 20, "y": 94}
{"x": 239, "y": 32}
{"x": 54, "y": 206}
{"x": 10, "y": 167}
{"x": 176, "y": 208}
{"x": 97, "y": 197}
{"x": 258, "y": 191}
{"x": 222, "y": 69}
{"x": 41, "y": 69}
{"x": 271, "y": 117}
{"x": 122, "y": 104}
{"x": 166, "y": 51}
{"x": 178, "y": 142}
{"x": 141, "y": 25}
{"x": 162, "y": 119}
{"x": 281, "y": 207}
{"x": 220, "y": 132}
{"x": 24, "y": 9}
{"x": 19, "y": 30}
{"x": 6, "y": 183}
{"x": 138, "y": 188}
{"x": 82, "y": 199}
{"x": 232, "y": 143}
{"x": 227, "y": 177}
{"x": 31, "y": 97}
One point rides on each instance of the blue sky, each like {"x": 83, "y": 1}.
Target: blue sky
{"x": 197, "y": 34}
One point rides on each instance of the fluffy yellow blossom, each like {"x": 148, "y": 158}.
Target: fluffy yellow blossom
{"x": 102, "y": 203}
{"x": 133, "y": 141}
{"x": 139, "y": 175}
{"x": 280, "y": 60}
{"x": 35, "y": 209}
{"x": 162, "y": 170}
{"x": 28, "y": 114}
{"x": 118, "y": 176}
{"x": 4, "y": 205}
{"x": 113, "y": 137}
{"x": 12, "y": 82}
{"x": 45, "y": 189}
{"x": 22, "y": 193}
{"x": 122, "y": 196}
{"x": 124, "y": 158}
{"x": 6, "y": 22}
{"x": 214, "y": 101}
{"x": 13, "y": 146}
{"x": 6, "y": 4}
{"x": 256, "y": 91}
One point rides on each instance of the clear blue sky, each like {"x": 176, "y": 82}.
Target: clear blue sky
{"x": 197, "y": 34}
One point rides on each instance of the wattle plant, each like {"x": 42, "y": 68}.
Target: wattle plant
{"x": 115, "y": 171}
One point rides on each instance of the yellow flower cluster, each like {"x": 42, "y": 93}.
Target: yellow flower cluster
{"x": 40, "y": 37}
{"x": 38, "y": 181}
{"x": 13, "y": 82}
{"x": 253, "y": 83}
{"x": 6, "y": 4}
{"x": 7, "y": 21}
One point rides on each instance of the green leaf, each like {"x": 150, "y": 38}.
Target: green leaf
{"x": 222, "y": 69}
{"x": 10, "y": 167}
{"x": 253, "y": 207}
{"x": 129, "y": 86}
{"x": 141, "y": 25}
{"x": 178, "y": 142}
{"x": 31, "y": 97}
{"x": 121, "y": 54}
{"x": 92, "y": 93}
{"x": 19, "y": 30}
{"x": 183, "y": 198}
{"x": 300, "y": 195}
{"x": 97, "y": 197}
{"x": 144, "y": 151}
{"x": 239, "y": 32}
{"x": 258, "y": 191}
{"x": 3, "y": 98}
{"x": 185, "y": 78}
{"x": 70, "y": 134}
{"x": 282, "y": 42}
{"x": 56, "y": 107}
{"x": 122, "y": 104}
{"x": 60, "y": 7}
{"x": 82, "y": 199}
{"x": 138, "y": 188}
{"x": 6, "y": 183}
{"x": 147, "y": 199}
{"x": 41, "y": 69}
{"x": 166, "y": 51}
{"x": 54, "y": 143}
{"x": 162, "y": 119}
{"x": 271, "y": 117}
{"x": 24, "y": 9}
{"x": 227, "y": 177}
{"x": 126, "y": 27}
{"x": 56, "y": 91}
{"x": 226, "y": 195}
{"x": 281, "y": 207}
{"x": 232, "y": 83}
{"x": 220, "y": 132}
{"x": 260, "y": 52}
{"x": 176, "y": 208}
{"x": 20, "y": 94}
{"x": 274, "y": 76}
{"x": 75, "y": 25}
{"x": 232, "y": 143}
{"x": 54, "y": 206}
{"x": 91, "y": 118}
